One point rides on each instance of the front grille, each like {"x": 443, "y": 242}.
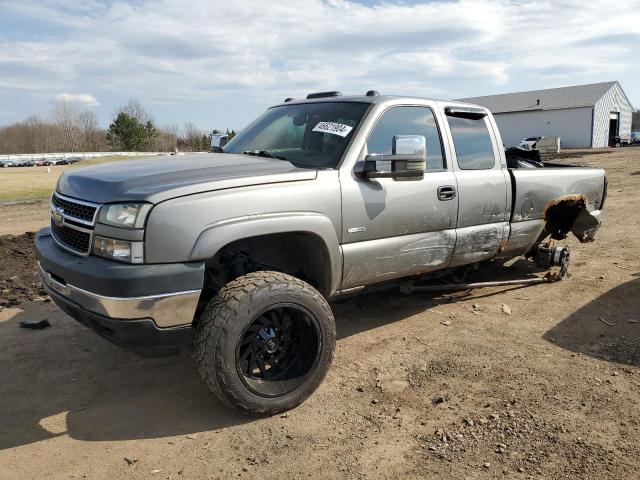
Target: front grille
{"x": 74, "y": 209}
{"x": 72, "y": 223}
{"x": 76, "y": 240}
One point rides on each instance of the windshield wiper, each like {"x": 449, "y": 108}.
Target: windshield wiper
{"x": 264, "y": 153}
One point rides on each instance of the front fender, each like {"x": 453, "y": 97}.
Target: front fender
{"x": 224, "y": 232}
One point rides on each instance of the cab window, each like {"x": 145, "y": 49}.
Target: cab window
{"x": 472, "y": 142}
{"x": 407, "y": 121}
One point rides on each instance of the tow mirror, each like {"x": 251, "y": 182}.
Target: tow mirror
{"x": 408, "y": 160}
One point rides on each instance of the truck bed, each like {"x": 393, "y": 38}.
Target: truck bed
{"x": 534, "y": 190}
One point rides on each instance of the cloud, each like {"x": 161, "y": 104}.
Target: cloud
{"x": 81, "y": 98}
{"x": 246, "y": 53}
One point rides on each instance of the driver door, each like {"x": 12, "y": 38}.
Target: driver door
{"x": 397, "y": 227}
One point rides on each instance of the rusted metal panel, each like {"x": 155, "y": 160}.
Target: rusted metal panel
{"x": 521, "y": 237}
{"x": 575, "y": 216}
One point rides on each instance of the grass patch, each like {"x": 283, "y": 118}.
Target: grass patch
{"x": 27, "y": 194}
{"x": 32, "y": 183}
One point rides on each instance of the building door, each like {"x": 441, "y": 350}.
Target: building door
{"x": 614, "y": 125}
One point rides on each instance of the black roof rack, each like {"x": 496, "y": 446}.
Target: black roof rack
{"x": 335, "y": 93}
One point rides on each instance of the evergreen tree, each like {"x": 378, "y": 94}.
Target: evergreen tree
{"x": 126, "y": 133}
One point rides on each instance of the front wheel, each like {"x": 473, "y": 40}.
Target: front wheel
{"x": 265, "y": 342}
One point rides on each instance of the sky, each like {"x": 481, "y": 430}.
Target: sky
{"x": 219, "y": 64}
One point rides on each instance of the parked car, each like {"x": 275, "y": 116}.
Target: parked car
{"x": 318, "y": 198}
{"x": 26, "y": 163}
{"x": 44, "y": 162}
{"x": 635, "y": 138}
{"x": 61, "y": 161}
{"x": 528, "y": 143}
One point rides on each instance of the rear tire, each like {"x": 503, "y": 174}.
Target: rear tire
{"x": 265, "y": 342}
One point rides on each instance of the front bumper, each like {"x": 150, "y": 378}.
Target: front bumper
{"x": 140, "y": 307}
{"x": 140, "y": 336}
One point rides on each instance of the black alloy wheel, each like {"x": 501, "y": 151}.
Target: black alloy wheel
{"x": 278, "y": 350}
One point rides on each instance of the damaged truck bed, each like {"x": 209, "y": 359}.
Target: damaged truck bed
{"x": 554, "y": 202}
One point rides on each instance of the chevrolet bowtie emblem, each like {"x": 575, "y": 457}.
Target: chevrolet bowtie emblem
{"x": 56, "y": 215}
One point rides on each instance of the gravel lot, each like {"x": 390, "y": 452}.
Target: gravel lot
{"x": 430, "y": 386}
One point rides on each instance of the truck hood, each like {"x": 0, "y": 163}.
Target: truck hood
{"x": 161, "y": 178}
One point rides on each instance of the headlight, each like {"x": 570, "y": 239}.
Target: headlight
{"x": 124, "y": 215}
{"x": 123, "y": 250}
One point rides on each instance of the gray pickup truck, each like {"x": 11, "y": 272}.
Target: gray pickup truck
{"x": 241, "y": 250}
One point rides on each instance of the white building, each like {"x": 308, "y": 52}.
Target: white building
{"x": 583, "y": 115}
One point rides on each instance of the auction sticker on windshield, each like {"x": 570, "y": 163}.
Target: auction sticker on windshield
{"x": 333, "y": 127}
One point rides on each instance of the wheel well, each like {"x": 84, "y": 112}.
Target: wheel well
{"x": 560, "y": 215}
{"x": 300, "y": 254}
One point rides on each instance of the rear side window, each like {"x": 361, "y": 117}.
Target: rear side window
{"x": 472, "y": 142}
{"x": 407, "y": 121}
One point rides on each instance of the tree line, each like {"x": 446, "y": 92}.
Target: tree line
{"x": 69, "y": 129}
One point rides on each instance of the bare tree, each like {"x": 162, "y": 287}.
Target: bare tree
{"x": 191, "y": 138}
{"x": 91, "y": 133}
{"x": 33, "y": 129}
{"x": 167, "y": 139}
{"x": 10, "y": 140}
{"x": 135, "y": 109}
{"x": 66, "y": 119}
{"x": 34, "y": 135}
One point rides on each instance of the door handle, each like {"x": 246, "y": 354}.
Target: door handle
{"x": 446, "y": 192}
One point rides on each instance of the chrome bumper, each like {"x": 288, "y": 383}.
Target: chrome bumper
{"x": 166, "y": 310}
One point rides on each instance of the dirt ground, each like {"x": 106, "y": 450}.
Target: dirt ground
{"x": 19, "y": 281}
{"x": 19, "y": 217}
{"x": 422, "y": 386}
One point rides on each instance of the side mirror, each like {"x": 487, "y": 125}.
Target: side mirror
{"x": 408, "y": 159}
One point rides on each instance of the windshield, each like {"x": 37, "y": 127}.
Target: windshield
{"x": 308, "y": 135}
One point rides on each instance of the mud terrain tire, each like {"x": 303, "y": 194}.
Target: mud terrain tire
{"x": 252, "y": 313}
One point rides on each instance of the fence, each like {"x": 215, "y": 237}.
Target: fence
{"x": 83, "y": 155}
